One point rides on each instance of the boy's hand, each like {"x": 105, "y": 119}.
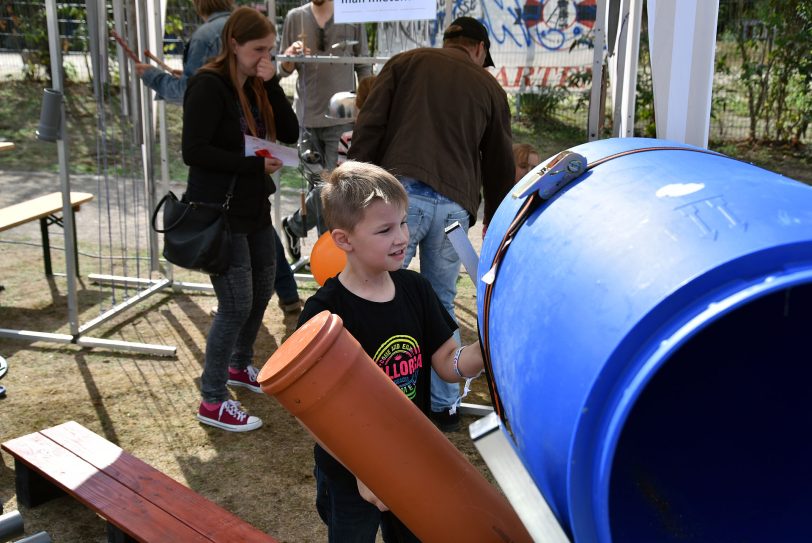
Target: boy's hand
{"x": 367, "y": 494}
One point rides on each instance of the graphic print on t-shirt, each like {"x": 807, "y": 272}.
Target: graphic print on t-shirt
{"x": 399, "y": 357}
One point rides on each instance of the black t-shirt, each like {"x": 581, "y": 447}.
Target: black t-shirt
{"x": 400, "y": 335}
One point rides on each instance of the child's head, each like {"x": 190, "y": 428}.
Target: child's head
{"x": 352, "y": 187}
{"x": 526, "y": 158}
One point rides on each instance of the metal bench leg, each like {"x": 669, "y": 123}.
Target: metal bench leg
{"x": 46, "y": 245}
{"x": 75, "y": 243}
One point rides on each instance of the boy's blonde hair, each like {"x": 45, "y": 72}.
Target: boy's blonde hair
{"x": 352, "y": 187}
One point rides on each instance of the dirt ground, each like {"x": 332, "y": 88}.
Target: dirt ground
{"x": 146, "y": 403}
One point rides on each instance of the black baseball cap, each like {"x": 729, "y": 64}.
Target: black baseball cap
{"x": 470, "y": 28}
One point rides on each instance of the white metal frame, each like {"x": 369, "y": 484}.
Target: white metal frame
{"x": 78, "y": 331}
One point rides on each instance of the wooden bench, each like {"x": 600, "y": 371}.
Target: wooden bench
{"x": 48, "y": 210}
{"x": 139, "y": 502}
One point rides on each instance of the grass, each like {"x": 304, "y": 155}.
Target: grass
{"x": 19, "y": 116}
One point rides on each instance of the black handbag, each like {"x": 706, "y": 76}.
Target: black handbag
{"x": 197, "y": 235}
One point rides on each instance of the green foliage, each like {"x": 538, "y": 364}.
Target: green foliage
{"x": 29, "y": 22}
{"x": 541, "y": 105}
{"x": 549, "y": 137}
{"x": 36, "y": 56}
{"x": 645, "y": 118}
{"x": 372, "y": 36}
{"x": 774, "y": 46}
{"x": 580, "y": 79}
{"x": 172, "y": 25}
{"x": 644, "y": 95}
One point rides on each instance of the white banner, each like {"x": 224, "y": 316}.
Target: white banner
{"x": 370, "y": 11}
{"x": 533, "y": 44}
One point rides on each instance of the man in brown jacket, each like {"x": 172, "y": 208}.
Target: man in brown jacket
{"x": 441, "y": 123}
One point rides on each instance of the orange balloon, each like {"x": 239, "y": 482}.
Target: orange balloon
{"x": 326, "y": 259}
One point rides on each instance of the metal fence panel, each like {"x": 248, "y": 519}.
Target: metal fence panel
{"x": 542, "y": 51}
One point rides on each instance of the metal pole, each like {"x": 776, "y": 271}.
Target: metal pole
{"x": 143, "y": 26}
{"x": 270, "y": 13}
{"x": 495, "y": 447}
{"x": 327, "y": 59}
{"x": 595, "y": 118}
{"x": 629, "y": 93}
{"x": 163, "y": 138}
{"x": 62, "y": 151}
{"x": 620, "y": 62}
{"x": 129, "y": 302}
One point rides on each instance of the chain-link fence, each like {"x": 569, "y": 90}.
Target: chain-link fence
{"x": 543, "y": 56}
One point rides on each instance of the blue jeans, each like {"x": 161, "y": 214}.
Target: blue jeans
{"x": 324, "y": 141}
{"x": 350, "y": 518}
{"x": 429, "y": 214}
{"x": 243, "y": 292}
{"x": 284, "y": 283}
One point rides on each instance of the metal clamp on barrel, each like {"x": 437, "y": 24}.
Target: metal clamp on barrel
{"x": 553, "y": 176}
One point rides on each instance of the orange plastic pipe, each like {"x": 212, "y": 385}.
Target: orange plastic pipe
{"x": 324, "y": 378}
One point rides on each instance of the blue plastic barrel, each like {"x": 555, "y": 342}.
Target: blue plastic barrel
{"x": 651, "y": 340}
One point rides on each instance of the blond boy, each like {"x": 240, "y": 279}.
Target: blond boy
{"x": 396, "y": 317}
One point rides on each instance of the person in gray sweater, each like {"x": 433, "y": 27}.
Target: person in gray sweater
{"x": 310, "y": 30}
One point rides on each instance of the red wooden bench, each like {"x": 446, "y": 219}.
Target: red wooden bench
{"x": 139, "y": 502}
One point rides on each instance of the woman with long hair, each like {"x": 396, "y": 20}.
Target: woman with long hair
{"x": 235, "y": 95}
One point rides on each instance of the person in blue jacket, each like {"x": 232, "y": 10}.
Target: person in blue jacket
{"x": 202, "y": 47}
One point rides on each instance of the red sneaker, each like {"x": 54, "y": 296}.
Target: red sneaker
{"x": 244, "y": 378}
{"x": 229, "y": 416}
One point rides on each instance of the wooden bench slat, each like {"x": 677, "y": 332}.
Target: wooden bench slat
{"x": 187, "y": 506}
{"x": 37, "y": 208}
{"x": 112, "y": 500}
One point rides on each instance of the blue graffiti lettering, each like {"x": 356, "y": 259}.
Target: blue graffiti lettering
{"x": 519, "y": 24}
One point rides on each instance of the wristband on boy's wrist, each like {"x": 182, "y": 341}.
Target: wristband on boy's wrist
{"x": 457, "y": 354}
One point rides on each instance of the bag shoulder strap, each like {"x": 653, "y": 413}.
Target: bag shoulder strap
{"x": 230, "y": 192}
{"x": 188, "y": 206}
{"x": 171, "y": 196}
